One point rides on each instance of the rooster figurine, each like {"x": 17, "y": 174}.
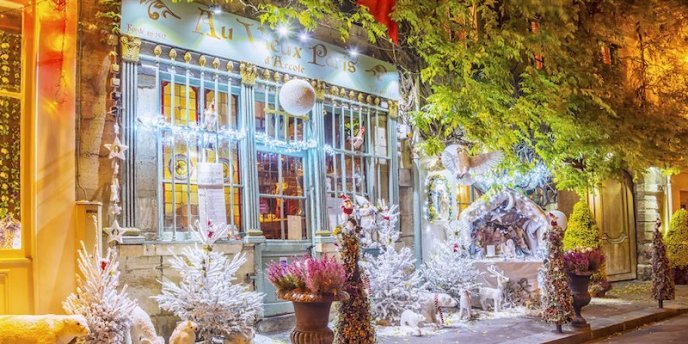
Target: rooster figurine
{"x": 466, "y": 168}
{"x": 357, "y": 141}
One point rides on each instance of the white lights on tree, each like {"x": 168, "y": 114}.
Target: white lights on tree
{"x": 107, "y": 311}
{"x": 297, "y": 97}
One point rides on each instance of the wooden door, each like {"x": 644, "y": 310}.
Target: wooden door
{"x": 613, "y": 208}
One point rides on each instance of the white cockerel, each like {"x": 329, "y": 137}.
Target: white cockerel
{"x": 357, "y": 141}
{"x": 466, "y": 168}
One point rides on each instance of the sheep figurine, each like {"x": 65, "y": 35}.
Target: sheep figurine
{"x": 49, "y": 328}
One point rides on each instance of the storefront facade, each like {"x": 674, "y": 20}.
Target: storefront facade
{"x": 282, "y": 175}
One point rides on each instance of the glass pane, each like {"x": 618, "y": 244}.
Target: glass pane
{"x": 10, "y": 128}
{"x": 222, "y": 104}
{"x": 292, "y": 176}
{"x": 183, "y": 99}
{"x": 268, "y": 173}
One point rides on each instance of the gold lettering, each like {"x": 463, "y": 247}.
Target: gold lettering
{"x": 247, "y": 27}
{"x": 350, "y": 66}
{"x": 227, "y": 35}
{"x": 297, "y": 52}
{"x": 318, "y": 50}
{"x": 206, "y": 18}
{"x": 277, "y": 63}
{"x": 273, "y": 46}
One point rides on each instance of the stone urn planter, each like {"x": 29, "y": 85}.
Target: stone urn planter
{"x": 581, "y": 297}
{"x": 312, "y": 313}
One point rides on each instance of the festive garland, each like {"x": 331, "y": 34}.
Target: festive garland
{"x": 431, "y": 185}
{"x": 10, "y": 128}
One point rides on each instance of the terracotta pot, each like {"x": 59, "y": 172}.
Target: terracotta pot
{"x": 581, "y": 297}
{"x": 312, "y": 315}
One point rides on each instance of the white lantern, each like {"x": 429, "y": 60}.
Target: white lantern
{"x": 297, "y": 97}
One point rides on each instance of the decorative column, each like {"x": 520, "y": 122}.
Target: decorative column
{"x": 322, "y": 233}
{"x": 247, "y": 149}
{"x": 393, "y": 151}
{"x": 131, "y": 47}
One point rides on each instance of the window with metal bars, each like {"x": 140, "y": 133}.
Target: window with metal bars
{"x": 190, "y": 115}
{"x": 357, "y": 161}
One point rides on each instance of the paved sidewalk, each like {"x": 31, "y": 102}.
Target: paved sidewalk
{"x": 674, "y": 330}
{"x": 626, "y": 307}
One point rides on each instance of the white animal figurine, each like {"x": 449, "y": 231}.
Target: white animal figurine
{"x": 494, "y": 294}
{"x": 142, "y": 330}
{"x": 430, "y": 302}
{"x": 357, "y": 141}
{"x": 184, "y": 333}
{"x": 411, "y": 319}
{"x": 465, "y": 304}
{"x": 508, "y": 249}
{"x": 49, "y": 328}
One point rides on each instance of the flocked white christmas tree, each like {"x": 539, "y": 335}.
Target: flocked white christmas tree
{"x": 107, "y": 311}
{"x": 395, "y": 284}
{"x": 206, "y": 293}
{"x": 450, "y": 270}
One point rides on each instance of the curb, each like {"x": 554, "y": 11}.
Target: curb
{"x": 629, "y": 321}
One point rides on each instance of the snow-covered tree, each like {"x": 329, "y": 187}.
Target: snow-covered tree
{"x": 107, "y": 311}
{"x": 394, "y": 283}
{"x": 206, "y": 293}
{"x": 557, "y": 302}
{"x": 450, "y": 270}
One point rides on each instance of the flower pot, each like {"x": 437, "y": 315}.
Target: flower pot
{"x": 581, "y": 297}
{"x": 312, "y": 315}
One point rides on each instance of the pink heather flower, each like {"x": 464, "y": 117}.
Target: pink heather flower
{"x": 325, "y": 276}
{"x": 583, "y": 260}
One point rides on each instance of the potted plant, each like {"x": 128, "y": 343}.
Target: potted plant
{"x": 580, "y": 264}
{"x": 311, "y": 285}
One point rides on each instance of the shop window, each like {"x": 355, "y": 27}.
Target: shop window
{"x": 195, "y": 122}
{"x": 357, "y": 159}
{"x": 10, "y": 127}
{"x": 281, "y": 202}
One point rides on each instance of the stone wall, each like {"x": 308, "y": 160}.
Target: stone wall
{"x": 650, "y": 205}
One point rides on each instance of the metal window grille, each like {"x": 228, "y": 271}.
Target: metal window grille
{"x": 175, "y": 104}
{"x": 355, "y": 167}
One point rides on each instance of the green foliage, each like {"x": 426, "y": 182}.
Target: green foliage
{"x": 677, "y": 239}
{"x": 581, "y": 229}
{"x": 585, "y": 119}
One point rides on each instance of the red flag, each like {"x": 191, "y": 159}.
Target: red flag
{"x": 381, "y": 9}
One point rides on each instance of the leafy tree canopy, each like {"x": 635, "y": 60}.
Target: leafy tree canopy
{"x": 587, "y": 115}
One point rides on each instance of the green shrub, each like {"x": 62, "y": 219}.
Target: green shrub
{"x": 581, "y": 229}
{"x": 677, "y": 239}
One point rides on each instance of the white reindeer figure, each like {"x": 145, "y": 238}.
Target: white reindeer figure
{"x": 495, "y": 294}
{"x": 465, "y": 303}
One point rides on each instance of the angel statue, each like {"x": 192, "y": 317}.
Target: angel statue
{"x": 465, "y": 168}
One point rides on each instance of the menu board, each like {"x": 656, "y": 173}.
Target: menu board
{"x": 211, "y": 194}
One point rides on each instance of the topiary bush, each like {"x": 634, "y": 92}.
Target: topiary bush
{"x": 677, "y": 244}
{"x": 582, "y": 232}
{"x": 581, "y": 229}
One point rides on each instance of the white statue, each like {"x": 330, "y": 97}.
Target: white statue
{"x": 465, "y": 304}
{"x": 494, "y": 294}
{"x": 508, "y": 249}
{"x": 412, "y": 319}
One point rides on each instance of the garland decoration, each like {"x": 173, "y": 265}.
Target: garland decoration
{"x": 439, "y": 198}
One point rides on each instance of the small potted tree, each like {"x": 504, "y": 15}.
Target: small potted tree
{"x": 311, "y": 285}
{"x": 580, "y": 264}
{"x": 677, "y": 245}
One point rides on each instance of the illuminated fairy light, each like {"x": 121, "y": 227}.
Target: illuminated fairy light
{"x": 188, "y": 133}
{"x": 289, "y": 146}
{"x": 536, "y": 177}
{"x": 353, "y": 51}
{"x": 283, "y": 30}
{"x": 215, "y": 8}
{"x": 304, "y": 36}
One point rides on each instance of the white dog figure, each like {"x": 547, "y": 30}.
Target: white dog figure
{"x": 142, "y": 329}
{"x": 184, "y": 333}
{"x": 465, "y": 304}
{"x": 412, "y": 319}
{"x": 430, "y": 302}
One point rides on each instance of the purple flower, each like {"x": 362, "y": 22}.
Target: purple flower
{"x": 317, "y": 276}
{"x": 583, "y": 260}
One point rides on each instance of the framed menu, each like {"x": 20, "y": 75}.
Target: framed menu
{"x": 211, "y": 194}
